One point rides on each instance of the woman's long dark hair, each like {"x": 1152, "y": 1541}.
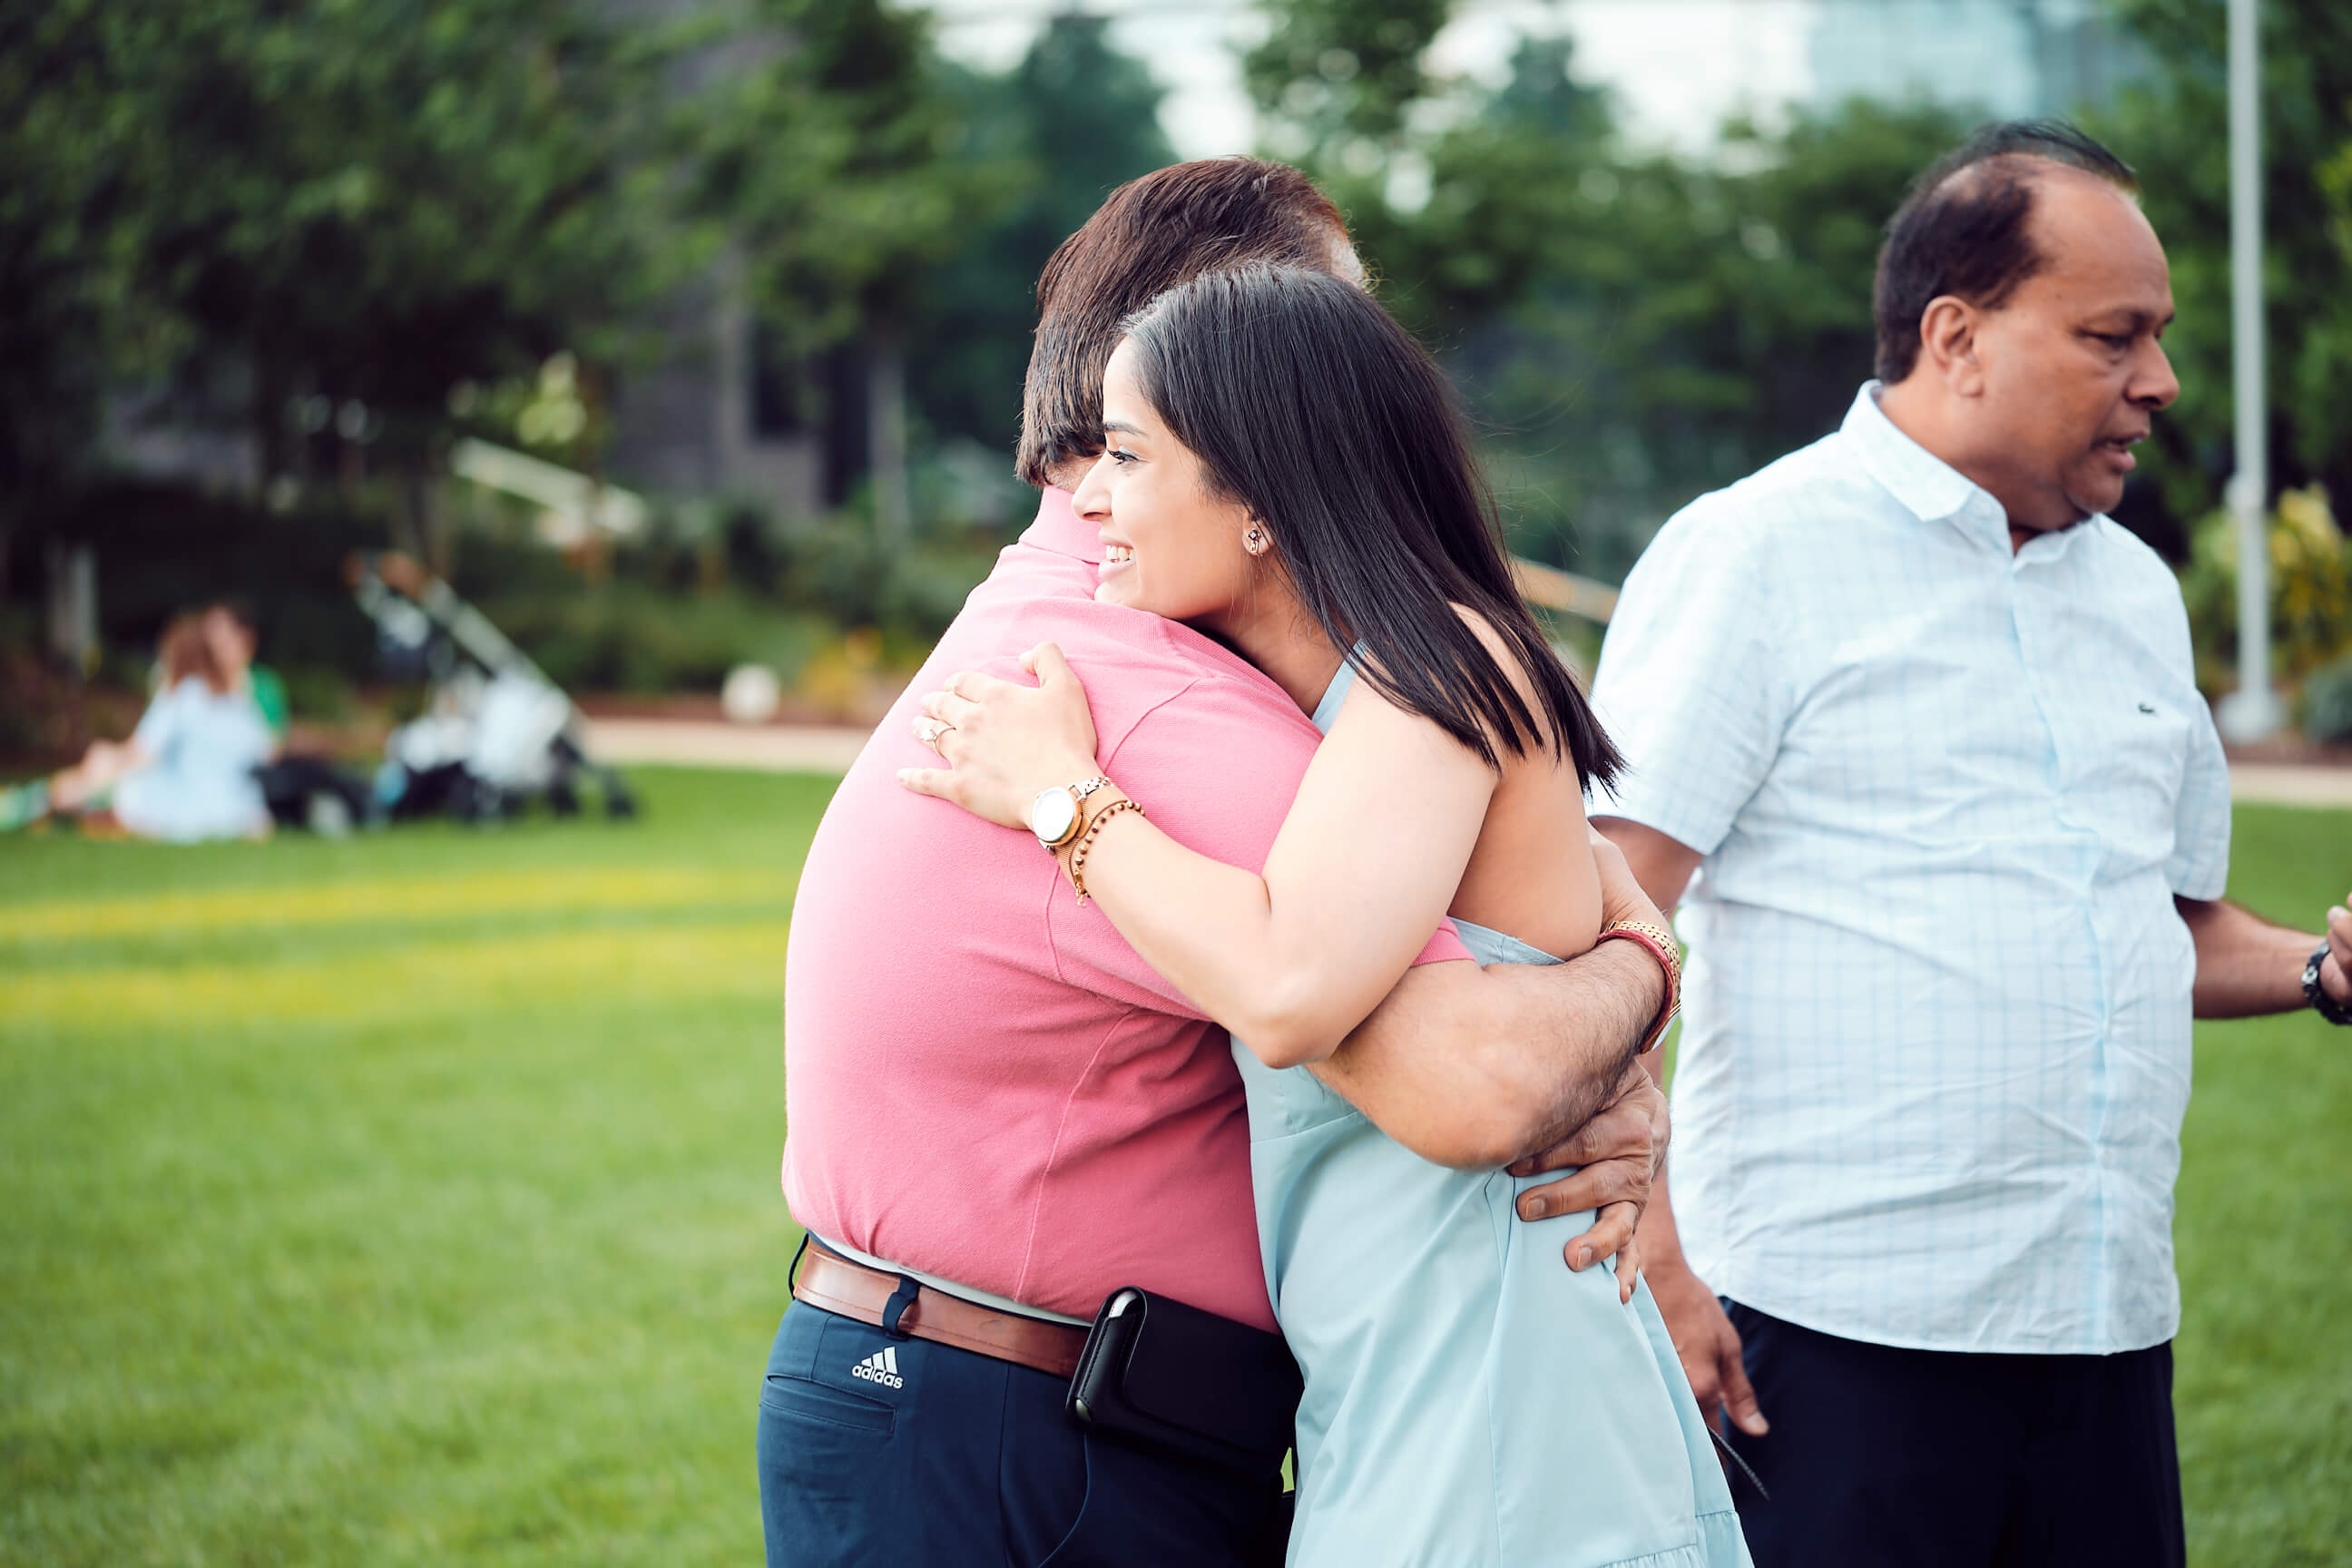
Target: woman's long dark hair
{"x": 1306, "y": 403}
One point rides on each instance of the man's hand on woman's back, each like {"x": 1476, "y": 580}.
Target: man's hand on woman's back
{"x": 1617, "y": 1156}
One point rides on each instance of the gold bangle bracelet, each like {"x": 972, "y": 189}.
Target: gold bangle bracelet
{"x": 1670, "y": 950}
{"x": 1659, "y": 945}
{"x": 1086, "y": 841}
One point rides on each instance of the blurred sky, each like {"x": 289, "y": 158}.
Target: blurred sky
{"x": 1676, "y": 67}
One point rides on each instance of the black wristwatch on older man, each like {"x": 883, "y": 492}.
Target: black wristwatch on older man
{"x": 2323, "y": 1004}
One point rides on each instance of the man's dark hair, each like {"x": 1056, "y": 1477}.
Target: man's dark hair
{"x": 1963, "y": 228}
{"x": 1150, "y": 235}
{"x": 1308, "y": 404}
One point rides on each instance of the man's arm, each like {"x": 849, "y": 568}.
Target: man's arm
{"x": 1703, "y": 1335}
{"x": 1531, "y": 1065}
{"x": 1478, "y": 1068}
{"x": 1475, "y": 1067}
{"x": 2247, "y": 966}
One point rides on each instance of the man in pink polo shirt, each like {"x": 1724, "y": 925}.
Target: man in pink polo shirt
{"x": 999, "y": 1115}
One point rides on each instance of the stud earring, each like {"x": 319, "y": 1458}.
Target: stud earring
{"x": 1253, "y": 540}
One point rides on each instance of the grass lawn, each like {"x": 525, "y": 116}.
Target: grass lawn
{"x": 412, "y": 1199}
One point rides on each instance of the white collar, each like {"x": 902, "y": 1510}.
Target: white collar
{"x": 1932, "y": 489}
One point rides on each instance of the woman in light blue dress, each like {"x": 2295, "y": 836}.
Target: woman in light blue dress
{"x": 186, "y": 773}
{"x": 1445, "y": 1342}
{"x": 1283, "y": 469}
{"x": 196, "y": 749}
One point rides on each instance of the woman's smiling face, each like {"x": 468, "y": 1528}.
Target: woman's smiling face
{"x": 1169, "y": 546}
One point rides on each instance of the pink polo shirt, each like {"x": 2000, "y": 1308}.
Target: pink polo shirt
{"x": 982, "y": 1080}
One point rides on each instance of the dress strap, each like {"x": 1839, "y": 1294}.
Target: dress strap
{"x": 1327, "y": 712}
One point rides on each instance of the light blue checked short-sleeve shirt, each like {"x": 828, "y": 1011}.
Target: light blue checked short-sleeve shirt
{"x": 1936, "y": 1039}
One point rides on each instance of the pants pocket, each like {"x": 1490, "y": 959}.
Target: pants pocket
{"x": 1141, "y": 1508}
{"x": 821, "y": 1454}
{"x": 797, "y": 1399}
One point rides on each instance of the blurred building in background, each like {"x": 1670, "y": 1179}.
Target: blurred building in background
{"x": 723, "y": 414}
{"x": 2010, "y": 58}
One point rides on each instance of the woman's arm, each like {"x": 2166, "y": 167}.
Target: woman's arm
{"x": 1290, "y": 960}
{"x": 105, "y": 764}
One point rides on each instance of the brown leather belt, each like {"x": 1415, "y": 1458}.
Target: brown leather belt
{"x": 834, "y": 1284}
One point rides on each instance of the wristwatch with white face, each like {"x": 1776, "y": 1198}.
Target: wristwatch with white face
{"x": 1055, "y": 817}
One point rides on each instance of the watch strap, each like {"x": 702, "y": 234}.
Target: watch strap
{"x": 2323, "y": 1004}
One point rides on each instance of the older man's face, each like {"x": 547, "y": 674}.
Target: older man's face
{"x": 2073, "y": 369}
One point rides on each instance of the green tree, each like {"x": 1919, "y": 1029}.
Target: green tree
{"x": 338, "y": 204}
{"x": 359, "y": 200}
{"x": 1694, "y": 323}
{"x": 826, "y": 149}
{"x": 1627, "y": 329}
{"x": 1337, "y": 77}
{"x": 2173, "y": 128}
{"x": 1076, "y": 118}
{"x": 1511, "y": 188}
{"x": 52, "y": 335}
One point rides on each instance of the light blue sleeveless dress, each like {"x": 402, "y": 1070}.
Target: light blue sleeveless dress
{"x": 1469, "y": 1401}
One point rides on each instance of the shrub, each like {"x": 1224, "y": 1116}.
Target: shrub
{"x": 161, "y": 549}
{"x": 2327, "y": 704}
{"x": 619, "y": 635}
{"x": 2311, "y": 591}
{"x": 317, "y": 693}
{"x": 708, "y": 584}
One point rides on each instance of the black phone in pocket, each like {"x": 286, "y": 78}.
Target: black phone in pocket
{"x": 1166, "y": 1374}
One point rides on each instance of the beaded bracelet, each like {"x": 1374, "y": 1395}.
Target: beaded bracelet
{"x": 1086, "y": 842}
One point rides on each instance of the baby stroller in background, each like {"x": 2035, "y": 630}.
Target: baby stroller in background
{"x": 495, "y": 732}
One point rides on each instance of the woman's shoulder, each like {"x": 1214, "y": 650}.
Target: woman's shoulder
{"x": 1507, "y": 655}
{"x": 1497, "y": 643}
{"x": 1521, "y": 730}
{"x": 1404, "y": 727}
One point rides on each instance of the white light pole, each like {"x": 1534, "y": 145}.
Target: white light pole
{"x": 2252, "y": 711}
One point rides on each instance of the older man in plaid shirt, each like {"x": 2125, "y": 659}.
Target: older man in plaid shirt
{"x": 1921, "y": 718}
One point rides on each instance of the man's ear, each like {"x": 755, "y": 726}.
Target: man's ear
{"x": 1947, "y": 342}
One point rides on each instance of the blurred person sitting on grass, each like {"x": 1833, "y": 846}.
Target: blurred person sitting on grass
{"x": 186, "y": 773}
{"x": 301, "y": 790}
{"x": 236, "y": 644}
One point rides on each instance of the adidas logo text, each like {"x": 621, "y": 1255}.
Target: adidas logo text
{"x": 881, "y": 1367}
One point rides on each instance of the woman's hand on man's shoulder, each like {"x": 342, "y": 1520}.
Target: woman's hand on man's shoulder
{"x": 1005, "y": 742}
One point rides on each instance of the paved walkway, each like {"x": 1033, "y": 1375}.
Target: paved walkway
{"x": 2278, "y": 784}
{"x": 701, "y": 743}
{"x": 822, "y": 749}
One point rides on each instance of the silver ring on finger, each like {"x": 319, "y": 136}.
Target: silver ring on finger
{"x": 928, "y": 731}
